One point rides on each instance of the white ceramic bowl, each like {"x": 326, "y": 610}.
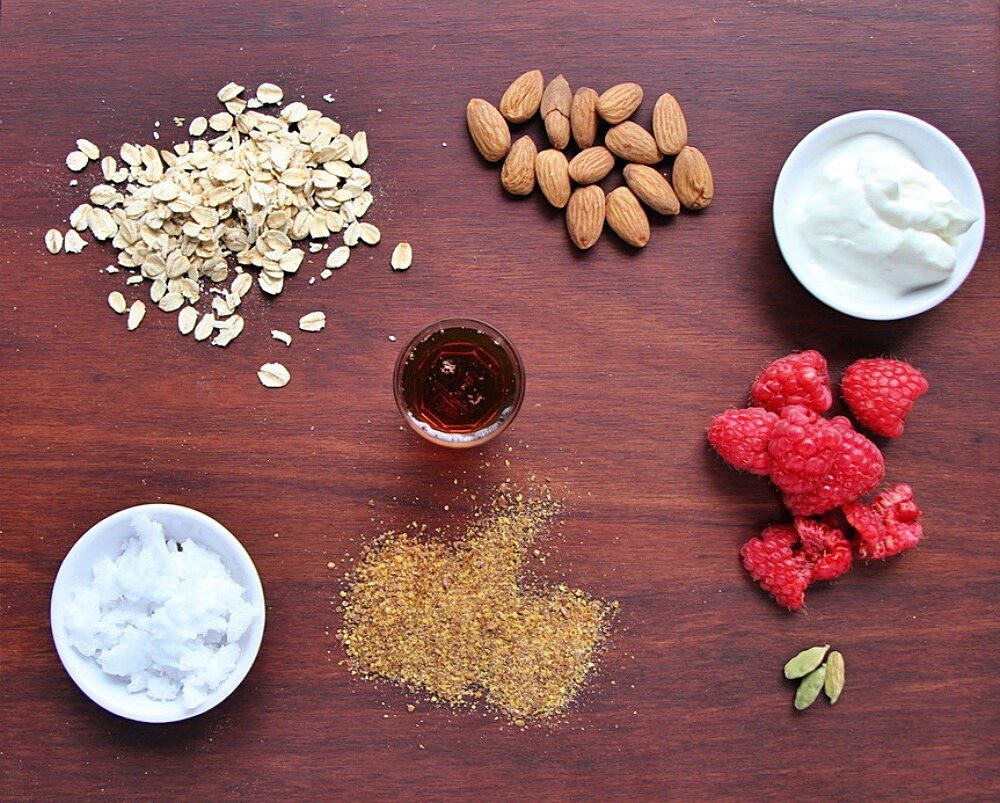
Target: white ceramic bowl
{"x": 105, "y": 539}
{"x": 935, "y": 152}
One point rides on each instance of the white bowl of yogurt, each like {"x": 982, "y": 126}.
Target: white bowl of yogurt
{"x": 879, "y": 215}
{"x": 157, "y": 613}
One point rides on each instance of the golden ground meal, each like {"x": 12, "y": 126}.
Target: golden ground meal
{"x": 456, "y": 619}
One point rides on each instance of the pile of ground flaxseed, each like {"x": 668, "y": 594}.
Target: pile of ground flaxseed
{"x": 456, "y": 620}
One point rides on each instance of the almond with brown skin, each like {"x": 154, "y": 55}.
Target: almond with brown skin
{"x": 583, "y": 117}
{"x": 552, "y": 172}
{"x": 692, "y": 179}
{"x": 633, "y": 143}
{"x": 489, "y": 130}
{"x": 652, "y": 189}
{"x": 522, "y": 98}
{"x": 620, "y": 102}
{"x": 585, "y": 216}
{"x": 626, "y": 218}
{"x": 557, "y": 97}
{"x": 591, "y": 165}
{"x": 557, "y": 102}
{"x": 669, "y": 126}
{"x": 518, "y": 173}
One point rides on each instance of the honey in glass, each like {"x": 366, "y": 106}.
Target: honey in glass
{"x": 459, "y": 382}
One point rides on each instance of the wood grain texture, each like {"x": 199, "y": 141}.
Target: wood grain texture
{"x": 628, "y": 355}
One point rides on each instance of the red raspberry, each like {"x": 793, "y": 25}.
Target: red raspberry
{"x": 821, "y": 463}
{"x": 888, "y": 526}
{"x": 796, "y": 379}
{"x": 740, "y": 437}
{"x": 825, "y": 546}
{"x": 880, "y": 393}
{"x": 775, "y": 564}
{"x": 802, "y": 448}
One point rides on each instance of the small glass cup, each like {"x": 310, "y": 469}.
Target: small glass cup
{"x": 459, "y": 383}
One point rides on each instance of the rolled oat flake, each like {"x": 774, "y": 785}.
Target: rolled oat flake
{"x": 273, "y": 375}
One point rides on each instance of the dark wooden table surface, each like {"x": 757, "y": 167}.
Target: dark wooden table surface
{"x": 628, "y": 355}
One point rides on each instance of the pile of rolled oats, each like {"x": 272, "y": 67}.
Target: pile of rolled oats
{"x": 228, "y": 209}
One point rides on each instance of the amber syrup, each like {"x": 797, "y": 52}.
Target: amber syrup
{"x": 459, "y": 383}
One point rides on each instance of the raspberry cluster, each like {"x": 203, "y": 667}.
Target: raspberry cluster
{"x": 823, "y": 467}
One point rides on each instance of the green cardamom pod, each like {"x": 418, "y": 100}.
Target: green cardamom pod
{"x": 805, "y": 662}
{"x": 809, "y": 688}
{"x": 835, "y": 676}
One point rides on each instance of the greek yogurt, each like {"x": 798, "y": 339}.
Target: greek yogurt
{"x": 876, "y": 220}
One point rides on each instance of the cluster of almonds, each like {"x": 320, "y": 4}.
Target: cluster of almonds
{"x": 564, "y": 114}
{"x": 262, "y": 183}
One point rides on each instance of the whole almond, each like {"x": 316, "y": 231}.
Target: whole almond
{"x": 591, "y": 165}
{"x": 518, "y": 173}
{"x": 489, "y": 130}
{"x": 692, "y": 179}
{"x": 633, "y": 143}
{"x": 626, "y": 218}
{"x": 557, "y": 129}
{"x": 583, "y": 117}
{"x": 669, "y": 126}
{"x": 619, "y": 102}
{"x": 650, "y": 187}
{"x": 557, "y": 96}
{"x": 585, "y": 216}
{"x": 552, "y": 172}
{"x": 520, "y": 102}
{"x": 557, "y": 102}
